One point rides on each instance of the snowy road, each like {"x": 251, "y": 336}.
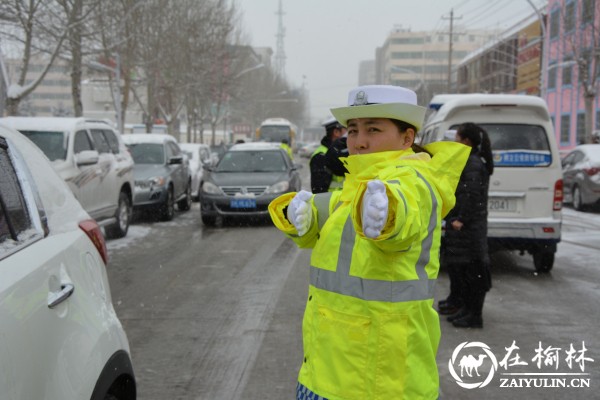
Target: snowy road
{"x": 216, "y": 313}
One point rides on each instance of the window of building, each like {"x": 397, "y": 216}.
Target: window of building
{"x": 554, "y": 24}
{"x": 552, "y": 77}
{"x": 580, "y": 128}
{"x": 587, "y": 11}
{"x": 570, "y": 17}
{"x": 565, "y": 126}
{"x": 567, "y": 74}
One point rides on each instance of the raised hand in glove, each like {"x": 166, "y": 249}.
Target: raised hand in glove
{"x": 374, "y": 209}
{"x": 299, "y": 212}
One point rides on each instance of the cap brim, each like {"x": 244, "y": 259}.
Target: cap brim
{"x": 410, "y": 113}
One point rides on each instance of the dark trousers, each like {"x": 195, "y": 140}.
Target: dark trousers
{"x": 469, "y": 282}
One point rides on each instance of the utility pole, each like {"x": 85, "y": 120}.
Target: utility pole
{"x": 280, "y": 52}
{"x": 451, "y": 37}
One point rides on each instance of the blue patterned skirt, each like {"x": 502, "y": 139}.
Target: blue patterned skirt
{"x": 304, "y": 393}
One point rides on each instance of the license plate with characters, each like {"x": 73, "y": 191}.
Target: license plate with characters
{"x": 243, "y": 203}
{"x": 502, "y": 205}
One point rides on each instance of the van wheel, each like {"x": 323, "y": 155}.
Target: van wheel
{"x": 119, "y": 229}
{"x": 577, "y": 202}
{"x": 543, "y": 260}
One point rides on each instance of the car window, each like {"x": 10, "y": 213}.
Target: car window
{"x": 81, "y": 142}
{"x": 204, "y": 154}
{"x": 52, "y": 143}
{"x": 100, "y": 141}
{"x": 518, "y": 145}
{"x": 175, "y": 150}
{"x": 147, "y": 153}
{"x": 112, "y": 140}
{"x": 252, "y": 161}
{"x": 14, "y": 219}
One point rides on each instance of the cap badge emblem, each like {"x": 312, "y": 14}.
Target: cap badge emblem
{"x": 360, "y": 99}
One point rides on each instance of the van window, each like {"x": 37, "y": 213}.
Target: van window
{"x": 518, "y": 145}
{"x": 100, "y": 141}
{"x": 52, "y": 143}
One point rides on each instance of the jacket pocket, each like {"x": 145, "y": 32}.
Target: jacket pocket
{"x": 390, "y": 373}
{"x": 339, "y": 354}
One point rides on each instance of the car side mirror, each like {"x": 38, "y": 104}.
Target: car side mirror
{"x": 297, "y": 166}
{"x": 176, "y": 160}
{"x": 207, "y": 166}
{"x": 87, "y": 157}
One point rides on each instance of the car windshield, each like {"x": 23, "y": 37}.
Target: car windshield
{"x": 518, "y": 145}
{"x": 252, "y": 161}
{"x": 53, "y": 144}
{"x": 147, "y": 153}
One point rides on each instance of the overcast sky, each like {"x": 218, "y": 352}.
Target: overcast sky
{"x": 325, "y": 40}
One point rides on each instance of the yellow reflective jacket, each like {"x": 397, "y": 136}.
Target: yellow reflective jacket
{"x": 369, "y": 328}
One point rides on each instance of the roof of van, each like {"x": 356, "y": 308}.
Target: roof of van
{"x": 461, "y": 102}
{"x": 49, "y": 123}
{"x": 132, "y": 138}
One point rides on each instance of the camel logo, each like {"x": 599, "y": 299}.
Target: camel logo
{"x": 473, "y": 359}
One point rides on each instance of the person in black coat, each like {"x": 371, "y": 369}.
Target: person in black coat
{"x": 465, "y": 249}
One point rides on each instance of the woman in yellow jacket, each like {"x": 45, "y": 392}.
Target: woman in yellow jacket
{"x": 369, "y": 328}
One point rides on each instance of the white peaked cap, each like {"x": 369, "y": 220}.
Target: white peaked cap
{"x": 381, "y": 101}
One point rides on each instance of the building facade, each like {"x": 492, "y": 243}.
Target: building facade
{"x": 422, "y": 61}
{"x": 510, "y": 63}
{"x": 570, "y": 65}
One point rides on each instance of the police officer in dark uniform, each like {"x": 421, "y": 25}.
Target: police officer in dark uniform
{"x": 322, "y": 178}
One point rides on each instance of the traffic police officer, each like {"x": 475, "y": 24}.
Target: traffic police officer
{"x": 322, "y": 178}
{"x": 369, "y": 328}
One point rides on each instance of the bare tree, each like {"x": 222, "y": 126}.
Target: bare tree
{"x": 25, "y": 22}
{"x": 583, "y": 38}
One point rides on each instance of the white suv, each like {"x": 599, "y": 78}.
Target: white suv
{"x": 92, "y": 158}
{"x": 60, "y": 335}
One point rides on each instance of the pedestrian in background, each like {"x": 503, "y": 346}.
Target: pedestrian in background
{"x": 286, "y": 146}
{"x": 322, "y": 178}
{"x": 369, "y": 328}
{"x": 465, "y": 239}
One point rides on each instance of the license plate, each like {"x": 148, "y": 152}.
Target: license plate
{"x": 243, "y": 203}
{"x": 502, "y": 205}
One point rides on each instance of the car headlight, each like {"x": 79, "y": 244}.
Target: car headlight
{"x": 151, "y": 182}
{"x": 279, "y": 187}
{"x": 210, "y": 188}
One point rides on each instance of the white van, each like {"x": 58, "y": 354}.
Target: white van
{"x": 526, "y": 189}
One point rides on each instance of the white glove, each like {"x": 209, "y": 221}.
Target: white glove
{"x": 374, "y": 209}
{"x": 299, "y": 212}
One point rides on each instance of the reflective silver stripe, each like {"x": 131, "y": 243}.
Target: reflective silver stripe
{"x": 341, "y": 282}
{"x": 321, "y": 201}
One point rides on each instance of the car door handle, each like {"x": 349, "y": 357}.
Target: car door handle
{"x": 55, "y": 298}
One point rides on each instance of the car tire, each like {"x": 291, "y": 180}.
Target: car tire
{"x": 186, "y": 203}
{"x": 543, "y": 259}
{"x": 123, "y": 215}
{"x": 167, "y": 211}
{"x": 577, "y": 201}
{"x": 209, "y": 220}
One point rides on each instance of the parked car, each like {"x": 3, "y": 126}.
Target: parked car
{"x": 308, "y": 149}
{"x": 162, "y": 175}
{"x": 245, "y": 180}
{"x": 581, "y": 176}
{"x": 526, "y": 188}
{"x": 61, "y": 337}
{"x": 91, "y": 157}
{"x": 198, "y": 156}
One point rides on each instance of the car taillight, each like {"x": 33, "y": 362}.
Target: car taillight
{"x": 91, "y": 228}
{"x": 558, "y": 195}
{"x": 591, "y": 171}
